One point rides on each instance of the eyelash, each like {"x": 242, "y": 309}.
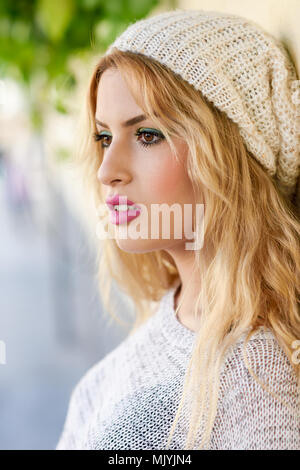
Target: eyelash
{"x": 99, "y": 137}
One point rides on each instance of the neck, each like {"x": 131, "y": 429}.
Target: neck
{"x": 184, "y": 303}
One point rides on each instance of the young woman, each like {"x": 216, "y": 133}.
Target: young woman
{"x": 196, "y": 109}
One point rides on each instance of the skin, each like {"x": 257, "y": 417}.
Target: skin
{"x": 146, "y": 175}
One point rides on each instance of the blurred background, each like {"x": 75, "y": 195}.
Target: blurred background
{"x": 52, "y": 324}
{"x": 52, "y": 327}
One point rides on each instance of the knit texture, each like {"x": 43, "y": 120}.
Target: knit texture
{"x": 128, "y": 400}
{"x": 243, "y": 70}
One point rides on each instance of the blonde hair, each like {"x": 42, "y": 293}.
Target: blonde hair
{"x": 251, "y": 277}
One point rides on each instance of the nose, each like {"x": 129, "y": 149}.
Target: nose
{"x": 114, "y": 167}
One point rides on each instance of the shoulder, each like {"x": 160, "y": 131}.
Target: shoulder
{"x": 117, "y": 361}
{"x": 264, "y": 355}
{"x": 97, "y": 373}
{"x": 260, "y": 413}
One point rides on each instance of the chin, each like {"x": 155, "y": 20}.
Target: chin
{"x": 146, "y": 246}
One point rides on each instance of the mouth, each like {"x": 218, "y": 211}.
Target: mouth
{"x": 120, "y": 203}
{"x": 122, "y": 210}
{"x": 123, "y": 207}
{"x": 123, "y": 213}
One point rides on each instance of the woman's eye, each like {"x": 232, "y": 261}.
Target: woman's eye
{"x": 150, "y": 137}
{"x": 99, "y": 137}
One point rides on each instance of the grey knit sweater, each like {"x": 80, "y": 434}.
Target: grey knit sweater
{"x": 128, "y": 400}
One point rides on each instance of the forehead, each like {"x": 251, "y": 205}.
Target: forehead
{"x": 113, "y": 95}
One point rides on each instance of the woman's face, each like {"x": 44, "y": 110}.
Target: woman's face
{"x": 146, "y": 175}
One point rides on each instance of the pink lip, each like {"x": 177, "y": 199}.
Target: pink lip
{"x": 115, "y": 200}
{"x": 122, "y": 217}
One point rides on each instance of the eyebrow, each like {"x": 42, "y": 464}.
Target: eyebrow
{"x": 128, "y": 123}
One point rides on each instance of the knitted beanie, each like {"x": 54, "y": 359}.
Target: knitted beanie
{"x": 243, "y": 70}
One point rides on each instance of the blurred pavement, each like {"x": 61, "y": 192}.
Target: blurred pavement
{"x": 50, "y": 320}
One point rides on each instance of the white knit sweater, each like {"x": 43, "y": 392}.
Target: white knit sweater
{"x": 127, "y": 401}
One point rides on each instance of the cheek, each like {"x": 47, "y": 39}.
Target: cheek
{"x": 164, "y": 177}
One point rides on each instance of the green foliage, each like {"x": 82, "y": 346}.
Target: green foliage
{"x": 39, "y": 37}
{"x": 62, "y": 154}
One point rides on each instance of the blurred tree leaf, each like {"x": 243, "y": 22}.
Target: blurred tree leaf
{"x": 54, "y": 16}
{"x": 62, "y": 154}
{"x": 60, "y": 107}
{"x": 41, "y": 37}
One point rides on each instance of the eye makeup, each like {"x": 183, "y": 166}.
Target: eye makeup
{"x": 142, "y": 131}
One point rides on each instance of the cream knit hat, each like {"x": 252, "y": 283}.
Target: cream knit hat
{"x": 242, "y": 70}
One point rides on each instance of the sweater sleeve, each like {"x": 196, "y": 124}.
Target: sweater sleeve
{"x": 249, "y": 417}
{"x": 80, "y": 409}
{"x": 67, "y": 440}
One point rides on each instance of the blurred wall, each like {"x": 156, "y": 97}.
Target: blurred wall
{"x": 277, "y": 17}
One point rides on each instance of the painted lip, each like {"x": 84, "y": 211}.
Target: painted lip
{"x": 122, "y": 217}
{"x": 115, "y": 200}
